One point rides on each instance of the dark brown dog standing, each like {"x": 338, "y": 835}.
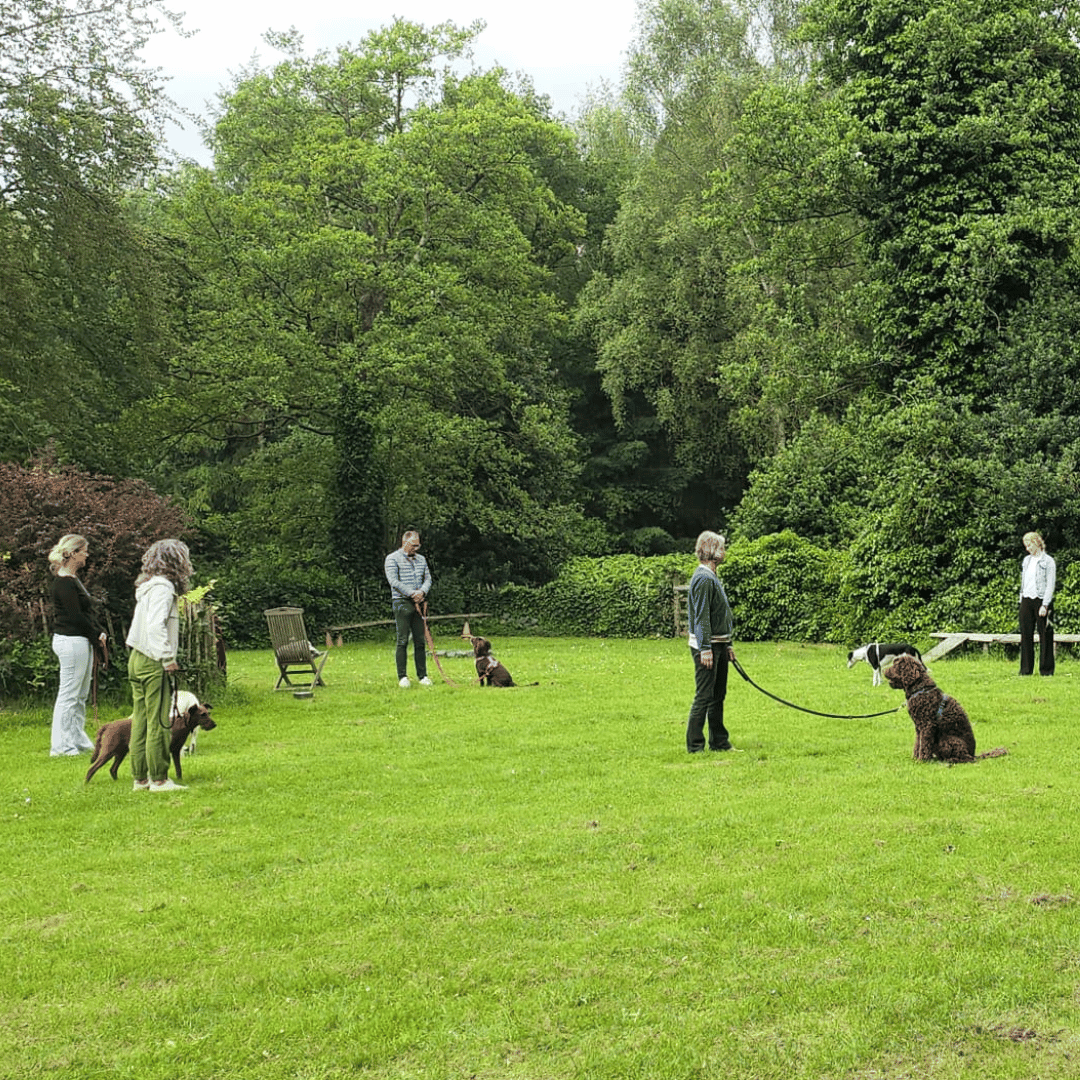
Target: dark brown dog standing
{"x": 113, "y": 740}
{"x": 942, "y": 729}
{"x": 488, "y": 668}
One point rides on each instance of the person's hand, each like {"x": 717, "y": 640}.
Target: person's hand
{"x": 731, "y": 652}
{"x": 102, "y": 637}
{"x": 1043, "y": 610}
{"x": 174, "y": 666}
{"x": 418, "y": 596}
{"x": 706, "y": 657}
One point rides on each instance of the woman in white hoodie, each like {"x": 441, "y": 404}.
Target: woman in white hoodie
{"x": 153, "y": 640}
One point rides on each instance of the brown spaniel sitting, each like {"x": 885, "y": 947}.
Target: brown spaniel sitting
{"x": 490, "y": 671}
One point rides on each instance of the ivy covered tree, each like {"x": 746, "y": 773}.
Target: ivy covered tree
{"x": 966, "y": 119}
{"x": 359, "y": 537}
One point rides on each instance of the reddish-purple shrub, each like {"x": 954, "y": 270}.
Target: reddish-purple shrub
{"x": 39, "y": 504}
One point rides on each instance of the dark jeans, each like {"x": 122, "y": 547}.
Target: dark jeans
{"x": 710, "y": 689}
{"x": 1030, "y": 622}
{"x": 408, "y": 621}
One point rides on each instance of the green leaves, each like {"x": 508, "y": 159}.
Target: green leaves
{"x": 968, "y": 125}
{"x": 372, "y": 222}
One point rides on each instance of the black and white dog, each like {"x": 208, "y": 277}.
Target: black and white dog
{"x": 879, "y": 656}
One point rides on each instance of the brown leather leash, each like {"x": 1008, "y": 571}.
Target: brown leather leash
{"x": 101, "y": 659}
{"x": 423, "y": 609}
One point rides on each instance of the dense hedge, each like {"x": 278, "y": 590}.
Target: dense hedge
{"x": 781, "y": 587}
{"x": 613, "y": 596}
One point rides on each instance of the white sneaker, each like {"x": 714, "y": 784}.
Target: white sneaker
{"x": 167, "y": 785}
{"x": 140, "y": 785}
{"x": 404, "y": 683}
{"x": 425, "y": 681}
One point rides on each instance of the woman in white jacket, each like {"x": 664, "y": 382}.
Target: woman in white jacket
{"x": 153, "y": 640}
{"x": 1038, "y": 579}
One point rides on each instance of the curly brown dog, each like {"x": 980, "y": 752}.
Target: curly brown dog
{"x": 942, "y": 728}
{"x": 490, "y": 671}
{"x": 113, "y": 740}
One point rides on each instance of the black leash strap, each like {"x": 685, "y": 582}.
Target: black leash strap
{"x": 170, "y": 679}
{"x": 790, "y": 705}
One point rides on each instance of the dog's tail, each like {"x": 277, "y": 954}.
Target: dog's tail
{"x": 998, "y": 751}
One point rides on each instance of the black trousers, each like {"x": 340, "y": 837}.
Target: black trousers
{"x": 1030, "y": 623}
{"x": 710, "y": 689}
{"x": 407, "y": 620}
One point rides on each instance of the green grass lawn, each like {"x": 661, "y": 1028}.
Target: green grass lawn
{"x": 540, "y": 883}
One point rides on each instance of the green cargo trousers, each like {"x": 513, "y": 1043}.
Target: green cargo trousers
{"x": 150, "y": 717}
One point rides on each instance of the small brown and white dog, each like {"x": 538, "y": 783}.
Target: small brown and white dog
{"x": 490, "y": 671}
{"x": 113, "y": 740}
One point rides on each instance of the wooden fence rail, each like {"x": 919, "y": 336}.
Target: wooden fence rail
{"x": 337, "y": 630}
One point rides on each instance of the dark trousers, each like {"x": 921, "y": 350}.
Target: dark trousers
{"x": 408, "y": 621}
{"x": 1030, "y": 623}
{"x": 710, "y": 689}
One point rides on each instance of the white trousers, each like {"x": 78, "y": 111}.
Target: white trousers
{"x": 76, "y": 657}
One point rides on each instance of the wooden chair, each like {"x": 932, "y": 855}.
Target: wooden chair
{"x": 292, "y": 649}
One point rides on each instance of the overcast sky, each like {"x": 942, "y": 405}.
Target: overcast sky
{"x": 565, "y": 46}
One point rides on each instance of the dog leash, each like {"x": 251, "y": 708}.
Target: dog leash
{"x": 173, "y": 680}
{"x": 791, "y": 705}
{"x": 422, "y": 608}
{"x": 97, "y": 664}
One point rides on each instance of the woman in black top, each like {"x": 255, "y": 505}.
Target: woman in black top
{"x": 74, "y": 631}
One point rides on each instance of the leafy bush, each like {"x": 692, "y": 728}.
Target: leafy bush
{"x": 245, "y": 591}
{"x": 782, "y": 587}
{"x": 28, "y": 668}
{"x": 615, "y": 596}
{"x": 42, "y": 502}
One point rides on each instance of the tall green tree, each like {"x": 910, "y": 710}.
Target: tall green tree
{"x": 686, "y": 336}
{"x": 372, "y": 219}
{"x": 80, "y": 317}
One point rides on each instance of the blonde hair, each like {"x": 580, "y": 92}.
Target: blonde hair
{"x": 168, "y": 559}
{"x": 1040, "y": 543}
{"x": 709, "y": 547}
{"x": 64, "y": 548}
